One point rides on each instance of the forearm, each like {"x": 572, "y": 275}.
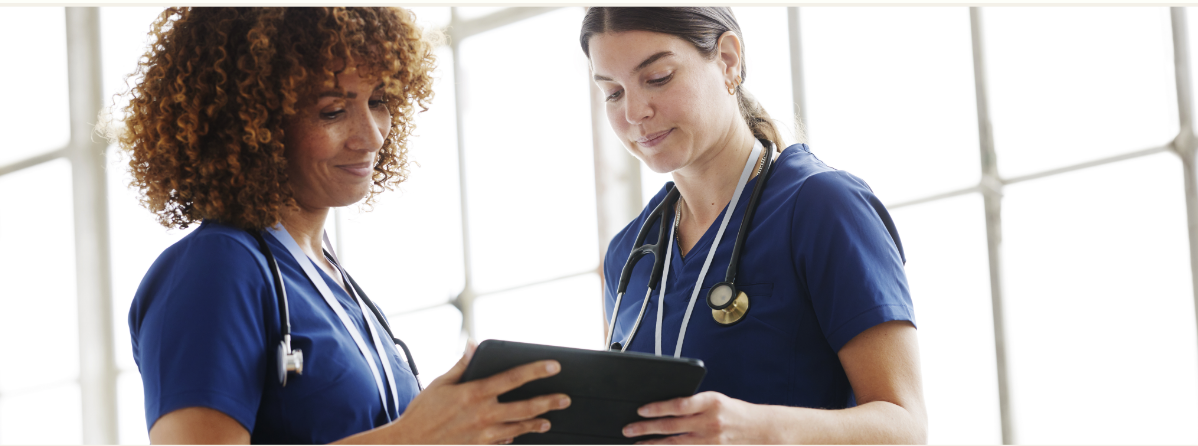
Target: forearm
{"x": 877, "y": 422}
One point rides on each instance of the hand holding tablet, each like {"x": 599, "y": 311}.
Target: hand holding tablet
{"x": 605, "y": 388}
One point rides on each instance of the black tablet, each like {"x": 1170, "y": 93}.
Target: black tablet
{"x": 605, "y": 388}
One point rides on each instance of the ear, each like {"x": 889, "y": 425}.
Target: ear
{"x": 730, "y": 53}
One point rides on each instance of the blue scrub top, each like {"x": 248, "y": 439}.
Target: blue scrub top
{"x": 205, "y": 329}
{"x": 822, "y": 262}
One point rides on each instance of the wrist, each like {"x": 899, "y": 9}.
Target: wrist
{"x": 783, "y": 425}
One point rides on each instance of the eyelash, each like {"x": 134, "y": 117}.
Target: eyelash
{"x": 373, "y": 104}
{"x": 656, "y": 82}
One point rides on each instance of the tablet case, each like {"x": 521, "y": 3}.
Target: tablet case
{"x": 605, "y": 388}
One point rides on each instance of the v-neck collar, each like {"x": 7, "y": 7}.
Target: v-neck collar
{"x": 704, "y": 243}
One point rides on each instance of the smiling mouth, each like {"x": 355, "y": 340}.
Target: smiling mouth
{"x": 654, "y": 139}
{"x": 358, "y": 169}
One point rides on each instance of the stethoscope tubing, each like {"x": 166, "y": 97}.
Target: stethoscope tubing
{"x": 659, "y": 255}
{"x": 747, "y": 219}
{"x": 285, "y": 310}
{"x": 280, "y": 290}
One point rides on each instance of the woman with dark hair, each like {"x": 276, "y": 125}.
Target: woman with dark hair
{"x": 823, "y": 319}
{"x": 254, "y": 122}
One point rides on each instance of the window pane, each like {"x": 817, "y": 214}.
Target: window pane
{"x": 124, "y": 39}
{"x": 474, "y": 12}
{"x": 530, "y": 163}
{"x": 435, "y": 338}
{"x": 48, "y": 416}
{"x": 428, "y": 18}
{"x": 37, "y": 119}
{"x": 566, "y": 312}
{"x": 1099, "y": 306}
{"x": 890, "y": 96}
{"x": 1072, "y": 84}
{"x": 407, "y": 251}
{"x": 137, "y": 240}
{"x": 131, "y": 409}
{"x": 38, "y": 300}
{"x": 948, "y": 274}
{"x": 1191, "y": 15}
{"x": 767, "y": 63}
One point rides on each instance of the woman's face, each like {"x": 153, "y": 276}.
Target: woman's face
{"x": 666, "y": 101}
{"x": 331, "y": 144}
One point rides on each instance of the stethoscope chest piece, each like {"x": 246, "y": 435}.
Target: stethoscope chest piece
{"x": 289, "y": 361}
{"x": 724, "y": 309}
{"x": 733, "y": 311}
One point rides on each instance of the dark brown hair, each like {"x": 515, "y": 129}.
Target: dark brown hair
{"x": 702, "y": 27}
{"x": 204, "y": 124}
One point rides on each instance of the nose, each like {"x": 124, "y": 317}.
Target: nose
{"x": 368, "y": 131}
{"x": 637, "y": 108}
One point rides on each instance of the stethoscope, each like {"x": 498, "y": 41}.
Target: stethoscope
{"x": 292, "y": 360}
{"x": 724, "y": 309}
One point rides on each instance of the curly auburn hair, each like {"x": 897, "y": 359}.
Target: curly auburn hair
{"x": 204, "y": 125}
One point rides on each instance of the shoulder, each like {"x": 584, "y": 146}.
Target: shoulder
{"x": 797, "y": 170}
{"x": 214, "y": 248}
{"x": 829, "y": 203}
{"x": 214, "y": 262}
{"x": 807, "y": 182}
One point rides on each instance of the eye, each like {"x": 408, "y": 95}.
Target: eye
{"x": 661, "y": 80}
{"x": 332, "y": 114}
{"x": 376, "y": 103}
{"x": 614, "y": 96}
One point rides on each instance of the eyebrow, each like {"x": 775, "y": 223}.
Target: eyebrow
{"x": 642, "y": 66}
{"x": 350, "y": 95}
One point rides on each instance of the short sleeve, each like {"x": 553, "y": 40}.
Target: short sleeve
{"x": 199, "y": 329}
{"x": 849, "y": 255}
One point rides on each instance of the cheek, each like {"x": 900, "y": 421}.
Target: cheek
{"x": 615, "y": 117}
{"x": 382, "y": 120}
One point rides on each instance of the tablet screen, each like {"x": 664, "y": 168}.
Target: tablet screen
{"x": 605, "y": 388}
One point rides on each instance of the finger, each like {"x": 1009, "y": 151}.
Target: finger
{"x": 529, "y": 408}
{"x": 455, "y": 373}
{"x": 512, "y": 430}
{"x": 662, "y": 426}
{"x": 676, "y": 407}
{"x": 517, "y": 376}
{"x": 675, "y": 439}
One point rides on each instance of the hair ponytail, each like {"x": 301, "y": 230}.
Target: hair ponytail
{"x": 758, "y": 119}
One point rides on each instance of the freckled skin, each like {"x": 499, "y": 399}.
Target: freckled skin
{"x": 323, "y": 139}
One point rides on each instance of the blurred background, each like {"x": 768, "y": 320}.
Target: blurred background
{"x": 1038, "y": 162}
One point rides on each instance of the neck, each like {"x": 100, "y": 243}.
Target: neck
{"x": 306, "y": 226}
{"x": 707, "y": 185}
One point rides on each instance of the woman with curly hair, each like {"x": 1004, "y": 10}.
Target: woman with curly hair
{"x": 254, "y": 122}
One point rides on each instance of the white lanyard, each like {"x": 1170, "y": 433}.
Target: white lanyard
{"x": 280, "y": 233}
{"x": 740, "y": 186}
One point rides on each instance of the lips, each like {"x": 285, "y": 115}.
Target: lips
{"x": 654, "y": 139}
{"x": 358, "y": 169}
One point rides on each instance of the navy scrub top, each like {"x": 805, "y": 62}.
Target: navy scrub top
{"x": 205, "y": 330}
{"x": 822, "y": 262}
